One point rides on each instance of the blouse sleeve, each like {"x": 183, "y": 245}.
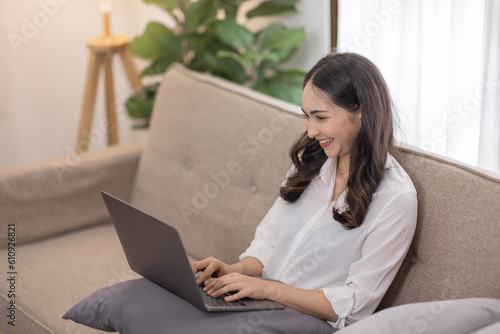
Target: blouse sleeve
{"x": 268, "y": 230}
{"x": 382, "y": 253}
{"x": 266, "y": 234}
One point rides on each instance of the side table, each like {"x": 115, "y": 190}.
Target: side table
{"x": 102, "y": 48}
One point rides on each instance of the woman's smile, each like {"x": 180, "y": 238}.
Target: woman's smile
{"x": 325, "y": 142}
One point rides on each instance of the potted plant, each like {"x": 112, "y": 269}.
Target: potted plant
{"x": 207, "y": 38}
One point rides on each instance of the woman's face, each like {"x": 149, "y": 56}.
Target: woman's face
{"x": 334, "y": 127}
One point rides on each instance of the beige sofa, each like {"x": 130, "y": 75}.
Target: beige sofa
{"x": 214, "y": 161}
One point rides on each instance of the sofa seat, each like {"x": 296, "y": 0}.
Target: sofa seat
{"x": 51, "y": 269}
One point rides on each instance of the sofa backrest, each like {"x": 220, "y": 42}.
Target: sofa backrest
{"x": 217, "y": 154}
{"x": 215, "y": 158}
{"x": 456, "y": 249}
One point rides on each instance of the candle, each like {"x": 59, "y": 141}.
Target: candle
{"x": 105, "y": 7}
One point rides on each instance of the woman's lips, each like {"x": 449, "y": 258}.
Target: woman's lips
{"x": 325, "y": 142}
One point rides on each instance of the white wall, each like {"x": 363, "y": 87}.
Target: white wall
{"x": 43, "y": 62}
{"x": 315, "y": 17}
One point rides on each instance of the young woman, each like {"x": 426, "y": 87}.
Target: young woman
{"x": 347, "y": 211}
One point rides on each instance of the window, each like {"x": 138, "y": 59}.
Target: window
{"x": 432, "y": 55}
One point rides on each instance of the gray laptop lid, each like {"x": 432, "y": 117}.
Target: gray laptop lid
{"x": 154, "y": 250}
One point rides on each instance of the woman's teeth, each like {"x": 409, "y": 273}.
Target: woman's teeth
{"x": 325, "y": 142}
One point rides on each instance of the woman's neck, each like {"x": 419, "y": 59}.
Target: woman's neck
{"x": 343, "y": 165}
{"x": 341, "y": 175}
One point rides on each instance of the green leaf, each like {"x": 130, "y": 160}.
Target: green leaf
{"x": 285, "y": 85}
{"x": 274, "y": 57}
{"x": 245, "y": 63}
{"x": 158, "y": 66}
{"x": 201, "y": 42}
{"x": 269, "y": 36}
{"x": 252, "y": 56}
{"x": 168, "y": 5}
{"x": 234, "y": 35}
{"x": 156, "y": 42}
{"x": 224, "y": 67}
{"x": 197, "y": 40}
{"x": 230, "y": 7}
{"x": 206, "y": 59}
{"x": 263, "y": 37}
{"x": 232, "y": 71}
{"x": 270, "y": 8}
{"x": 279, "y": 39}
{"x": 141, "y": 105}
{"x": 286, "y": 54}
{"x": 199, "y": 13}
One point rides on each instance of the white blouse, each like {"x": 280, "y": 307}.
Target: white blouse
{"x": 300, "y": 244}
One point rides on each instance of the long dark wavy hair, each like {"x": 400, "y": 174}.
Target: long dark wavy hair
{"x": 354, "y": 83}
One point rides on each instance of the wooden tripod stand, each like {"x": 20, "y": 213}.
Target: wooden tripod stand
{"x": 102, "y": 48}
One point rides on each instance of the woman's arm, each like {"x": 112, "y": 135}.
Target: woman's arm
{"x": 249, "y": 266}
{"x": 312, "y": 302}
{"x": 236, "y": 277}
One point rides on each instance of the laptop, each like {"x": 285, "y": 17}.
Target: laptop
{"x": 154, "y": 250}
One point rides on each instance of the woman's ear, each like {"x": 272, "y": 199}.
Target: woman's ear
{"x": 358, "y": 117}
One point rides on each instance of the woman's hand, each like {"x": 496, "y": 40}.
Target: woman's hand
{"x": 211, "y": 266}
{"x": 235, "y": 278}
{"x": 245, "y": 286}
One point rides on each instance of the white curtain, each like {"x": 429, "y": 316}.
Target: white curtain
{"x": 431, "y": 54}
{"x": 489, "y": 140}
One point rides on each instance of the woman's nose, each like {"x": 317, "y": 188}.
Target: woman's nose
{"x": 312, "y": 132}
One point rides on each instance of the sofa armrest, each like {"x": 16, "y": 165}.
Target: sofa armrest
{"x": 50, "y": 197}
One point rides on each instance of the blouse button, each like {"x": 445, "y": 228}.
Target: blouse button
{"x": 413, "y": 258}
{"x": 253, "y": 190}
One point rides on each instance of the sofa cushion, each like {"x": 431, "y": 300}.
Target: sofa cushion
{"x": 455, "y": 250}
{"x": 45, "y": 198}
{"x": 140, "y": 306}
{"x": 438, "y": 317}
{"x": 214, "y": 161}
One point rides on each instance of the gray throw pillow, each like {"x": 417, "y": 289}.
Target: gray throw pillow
{"x": 491, "y": 329}
{"x": 141, "y": 307}
{"x": 473, "y": 315}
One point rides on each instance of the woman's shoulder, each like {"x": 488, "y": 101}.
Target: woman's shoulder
{"x": 395, "y": 197}
{"x": 395, "y": 179}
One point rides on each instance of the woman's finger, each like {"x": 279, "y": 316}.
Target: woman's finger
{"x": 220, "y": 290}
{"x": 197, "y": 266}
{"x": 213, "y": 284}
{"x": 235, "y": 296}
{"x": 207, "y": 273}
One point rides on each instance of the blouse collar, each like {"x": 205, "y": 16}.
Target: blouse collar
{"x": 327, "y": 175}
{"x": 327, "y": 172}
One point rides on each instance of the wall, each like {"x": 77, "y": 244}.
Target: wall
{"x": 43, "y": 62}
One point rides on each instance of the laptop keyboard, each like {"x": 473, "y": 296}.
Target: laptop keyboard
{"x": 218, "y": 302}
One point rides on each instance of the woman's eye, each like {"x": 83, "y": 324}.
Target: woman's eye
{"x": 319, "y": 118}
